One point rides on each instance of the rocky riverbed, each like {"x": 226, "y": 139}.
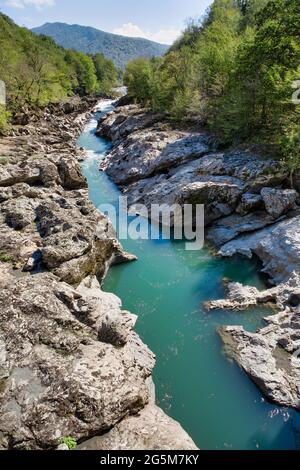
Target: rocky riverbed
{"x": 250, "y": 210}
{"x": 70, "y": 361}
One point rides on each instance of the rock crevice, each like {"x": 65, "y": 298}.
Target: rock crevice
{"x": 250, "y": 210}
{"x": 70, "y": 361}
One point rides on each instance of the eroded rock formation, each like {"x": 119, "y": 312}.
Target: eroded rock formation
{"x": 249, "y": 210}
{"x": 70, "y": 361}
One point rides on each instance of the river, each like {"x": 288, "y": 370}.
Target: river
{"x": 196, "y": 383}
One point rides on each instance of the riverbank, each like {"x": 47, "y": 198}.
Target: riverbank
{"x": 250, "y": 210}
{"x": 71, "y": 363}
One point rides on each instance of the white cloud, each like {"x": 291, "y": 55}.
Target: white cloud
{"x": 165, "y": 36}
{"x": 130, "y": 29}
{"x": 21, "y": 4}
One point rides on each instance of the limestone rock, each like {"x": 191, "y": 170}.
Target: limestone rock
{"x": 151, "y": 429}
{"x": 240, "y": 297}
{"x": 230, "y": 227}
{"x": 249, "y": 202}
{"x": 124, "y": 121}
{"x": 105, "y": 314}
{"x": 277, "y": 246}
{"x": 70, "y": 362}
{"x": 19, "y": 212}
{"x": 71, "y": 174}
{"x": 63, "y": 447}
{"x": 155, "y": 164}
{"x": 271, "y": 357}
{"x": 150, "y": 152}
{"x": 274, "y": 370}
{"x": 57, "y": 378}
{"x": 277, "y": 201}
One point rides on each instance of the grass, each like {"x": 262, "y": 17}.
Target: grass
{"x": 6, "y": 258}
{"x": 70, "y": 442}
{"x": 4, "y": 161}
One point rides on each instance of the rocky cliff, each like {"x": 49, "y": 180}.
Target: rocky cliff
{"x": 249, "y": 210}
{"x": 70, "y": 361}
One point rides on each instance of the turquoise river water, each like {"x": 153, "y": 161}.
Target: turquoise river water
{"x": 196, "y": 383}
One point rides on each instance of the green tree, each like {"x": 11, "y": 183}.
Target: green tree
{"x": 106, "y": 72}
{"x": 258, "y": 100}
{"x": 138, "y": 79}
{"x": 84, "y": 78}
{"x": 37, "y": 71}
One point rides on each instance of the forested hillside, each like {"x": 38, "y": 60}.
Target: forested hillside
{"x": 36, "y": 71}
{"x": 89, "y": 40}
{"x": 233, "y": 71}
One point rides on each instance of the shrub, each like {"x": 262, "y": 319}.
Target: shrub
{"x": 70, "y": 442}
{"x": 4, "y": 120}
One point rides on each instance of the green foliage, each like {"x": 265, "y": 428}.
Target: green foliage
{"x": 70, "y": 442}
{"x": 290, "y": 146}
{"x": 232, "y": 72}
{"x": 6, "y": 258}
{"x": 4, "y": 120}
{"x": 34, "y": 70}
{"x": 138, "y": 78}
{"x": 258, "y": 100}
{"x": 37, "y": 71}
{"x": 106, "y": 72}
{"x": 84, "y": 73}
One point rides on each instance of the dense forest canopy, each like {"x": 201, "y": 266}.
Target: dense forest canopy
{"x": 36, "y": 71}
{"x": 232, "y": 71}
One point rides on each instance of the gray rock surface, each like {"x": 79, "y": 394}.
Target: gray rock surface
{"x": 249, "y": 202}
{"x": 70, "y": 362}
{"x": 229, "y": 228}
{"x": 271, "y": 357}
{"x": 149, "y": 429}
{"x": 277, "y": 246}
{"x": 153, "y": 163}
{"x": 240, "y": 297}
{"x": 46, "y": 219}
{"x": 277, "y": 201}
{"x": 58, "y": 377}
{"x": 249, "y": 210}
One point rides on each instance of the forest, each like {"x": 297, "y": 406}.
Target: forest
{"x": 232, "y": 71}
{"x": 36, "y": 71}
{"x": 120, "y": 49}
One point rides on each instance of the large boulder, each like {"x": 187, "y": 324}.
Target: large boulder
{"x": 278, "y": 201}
{"x": 77, "y": 240}
{"x": 124, "y": 121}
{"x": 151, "y": 429}
{"x": 19, "y": 212}
{"x": 229, "y": 228}
{"x": 32, "y": 171}
{"x": 250, "y": 202}
{"x": 71, "y": 174}
{"x": 278, "y": 246}
{"x": 58, "y": 378}
{"x": 151, "y": 152}
{"x": 266, "y": 359}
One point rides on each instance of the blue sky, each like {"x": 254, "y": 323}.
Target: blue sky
{"x": 159, "y": 20}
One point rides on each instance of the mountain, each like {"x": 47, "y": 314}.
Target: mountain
{"x": 120, "y": 49}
